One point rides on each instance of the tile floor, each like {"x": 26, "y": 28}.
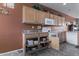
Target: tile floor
{"x": 65, "y": 50}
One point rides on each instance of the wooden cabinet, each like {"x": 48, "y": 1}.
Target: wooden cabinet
{"x": 41, "y": 16}
{"x": 28, "y": 15}
{"x": 62, "y": 37}
{"x": 56, "y": 19}
{"x": 59, "y": 20}
{"x": 35, "y": 42}
{"x": 33, "y": 16}
{"x": 54, "y": 42}
{"x": 51, "y": 16}
{"x": 43, "y": 34}
{"x": 63, "y": 20}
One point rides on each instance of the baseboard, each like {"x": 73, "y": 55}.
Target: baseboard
{"x": 73, "y": 44}
{"x": 18, "y": 52}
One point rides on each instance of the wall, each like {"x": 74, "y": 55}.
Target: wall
{"x": 11, "y": 29}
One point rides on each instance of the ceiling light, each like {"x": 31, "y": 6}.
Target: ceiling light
{"x": 64, "y": 3}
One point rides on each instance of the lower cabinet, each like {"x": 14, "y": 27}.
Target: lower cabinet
{"x": 34, "y": 43}
{"x": 54, "y": 42}
{"x": 62, "y": 37}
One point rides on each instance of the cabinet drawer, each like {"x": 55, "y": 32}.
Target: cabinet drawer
{"x": 43, "y": 34}
{"x": 31, "y": 36}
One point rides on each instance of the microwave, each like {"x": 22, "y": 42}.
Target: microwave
{"x": 48, "y": 21}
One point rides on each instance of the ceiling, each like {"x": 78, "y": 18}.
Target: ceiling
{"x": 71, "y": 9}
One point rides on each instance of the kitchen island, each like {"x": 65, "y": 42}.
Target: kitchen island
{"x": 73, "y": 37}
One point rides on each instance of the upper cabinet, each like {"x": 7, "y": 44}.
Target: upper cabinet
{"x": 51, "y": 16}
{"x": 28, "y": 15}
{"x": 56, "y": 19}
{"x": 41, "y": 16}
{"x": 33, "y": 16}
{"x": 61, "y": 20}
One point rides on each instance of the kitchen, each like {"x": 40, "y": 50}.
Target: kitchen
{"x": 57, "y": 28}
{"x": 41, "y": 27}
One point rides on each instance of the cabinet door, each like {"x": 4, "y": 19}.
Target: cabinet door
{"x": 63, "y": 20}
{"x": 51, "y": 16}
{"x": 28, "y": 15}
{"x": 37, "y": 21}
{"x": 59, "y": 20}
{"x": 41, "y": 16}
{"x": 56, "y": 18}
{"x": 54, "y": 42}
{"x": 62, "y": 37}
